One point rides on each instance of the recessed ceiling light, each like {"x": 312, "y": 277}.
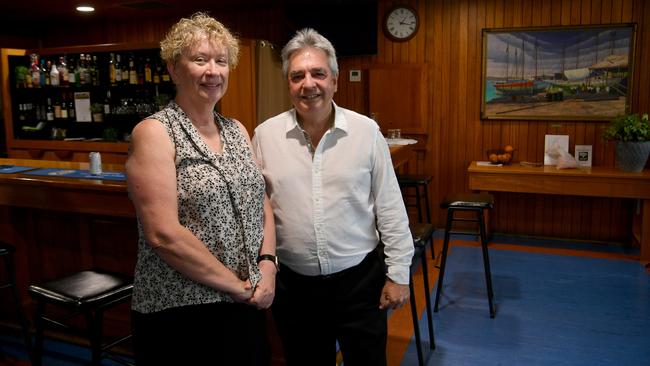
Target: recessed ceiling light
{"x": 85, "y": 8}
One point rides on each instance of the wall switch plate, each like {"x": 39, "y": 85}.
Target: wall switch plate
{"x": 355, "y": 76}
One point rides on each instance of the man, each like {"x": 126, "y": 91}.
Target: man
{"x": 333, "y": 192}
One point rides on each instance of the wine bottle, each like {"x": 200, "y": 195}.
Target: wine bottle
{"x": 133, "y": 74}
{"x": 111, "y": 69}
{"x": 49, "y": 111}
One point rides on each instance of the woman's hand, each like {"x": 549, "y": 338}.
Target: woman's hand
{"x": 265, "y": 290}
{"x": 244, "y": 294}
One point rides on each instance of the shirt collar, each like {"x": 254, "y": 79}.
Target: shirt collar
{"x": 340, "y": 122}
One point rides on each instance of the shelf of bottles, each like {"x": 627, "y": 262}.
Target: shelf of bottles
{"x": 97, "y": 96}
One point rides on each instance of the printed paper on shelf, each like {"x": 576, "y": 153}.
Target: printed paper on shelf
{"x": 552, "y": 146}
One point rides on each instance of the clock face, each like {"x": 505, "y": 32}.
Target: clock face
{"x": 401, "y": 23}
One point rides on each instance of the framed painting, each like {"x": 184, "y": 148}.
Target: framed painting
{"x": 557, "y": 73}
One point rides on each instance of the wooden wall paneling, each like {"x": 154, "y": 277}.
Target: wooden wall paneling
{"x": 239, "y": 102}
{"x": 642, "y": 12}
{"x": 387, "y": 85}
{"x": 606, "y": 11}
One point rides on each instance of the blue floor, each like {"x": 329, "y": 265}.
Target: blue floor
{"x": 55, "y": 353}
{"x": 550, "y": 310}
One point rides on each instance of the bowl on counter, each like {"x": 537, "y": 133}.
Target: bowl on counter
{"x": 500, "y": 156}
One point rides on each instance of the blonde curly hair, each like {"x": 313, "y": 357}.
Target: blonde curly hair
{"x": 188, "y": 32}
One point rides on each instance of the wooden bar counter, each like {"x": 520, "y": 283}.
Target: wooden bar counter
{"x": 593, "y": 182}
{"x": 61, "y": 225}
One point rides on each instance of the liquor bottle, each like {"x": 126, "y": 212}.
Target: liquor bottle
{"x": 63, "y": 71}
{"x": 147, "y": 72}
{"x": 118, "y": 70}
{"x": 21, "y": 112}
{"x": 87, "y": 72}
{"x": 94, "y": 71}
{"x": 71, "y": 110}
{"x": 64, "y": 108}
{"x": 125, "y": 73}
{"x": 49, "y": 111}
{"x": 54, "y": 75}
{"x": 156, "y": 74}
{"x": 111, "y": 69}
{"x": 47, "y": 68}
{"x": 39, "y": 113}
{"x": 140, "y": 71}
{"x": 165, "y": 76}
{"x": 87, "y": 65}
{"x": 42, "y": 73}
{"x": 35, "y": 71}
{"x": 57, "y": 109}
{"x": 133, "y": 74}
{"x": 80, "y": 72}
{"x": 71, "y": 74}
{"x": 107, "y": 103}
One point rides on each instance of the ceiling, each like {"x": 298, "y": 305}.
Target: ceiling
{"x": 28, "y": 12}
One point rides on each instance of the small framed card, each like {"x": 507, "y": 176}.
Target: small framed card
{"x": 552, "y": 145}
{"x": 82, "y": 106}
{"x": 583, "y": 156}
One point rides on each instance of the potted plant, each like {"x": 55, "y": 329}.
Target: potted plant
{"x": 97, "y": 111}
{"x": 632, "y": 135}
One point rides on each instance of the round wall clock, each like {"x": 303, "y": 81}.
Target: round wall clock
{"x": 401, "y": 23}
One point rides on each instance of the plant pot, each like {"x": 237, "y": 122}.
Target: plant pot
{"x": 632, "y": 156}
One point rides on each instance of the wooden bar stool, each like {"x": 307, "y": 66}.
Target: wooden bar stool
{"x": 474, "y": 203}
{"x": 422, "y": 235}
{"x": 87, "y": 293}
{"x": 420, "y": 184}
{"x": 7, "y": 253}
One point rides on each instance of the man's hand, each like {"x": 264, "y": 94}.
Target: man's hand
{"x": 393, "y": 295}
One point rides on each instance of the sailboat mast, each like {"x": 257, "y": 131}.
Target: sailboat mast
{"x": 523, "y": 58}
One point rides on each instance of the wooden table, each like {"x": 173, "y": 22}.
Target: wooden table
{"x": 593, "y": 182}
{"x": 400, "y": 154}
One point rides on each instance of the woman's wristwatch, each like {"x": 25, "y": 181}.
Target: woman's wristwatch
{"x": 269, "y": 257}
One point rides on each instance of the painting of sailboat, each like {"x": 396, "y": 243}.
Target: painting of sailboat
{"x": 576, "y": 73}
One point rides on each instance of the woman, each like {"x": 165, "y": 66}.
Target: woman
{"x": 203, "y": 216}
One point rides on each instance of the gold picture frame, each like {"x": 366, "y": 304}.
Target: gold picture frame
{"x": 557, "y": 73}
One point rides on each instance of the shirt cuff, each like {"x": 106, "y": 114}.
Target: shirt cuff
{"x": 399, "y": 274}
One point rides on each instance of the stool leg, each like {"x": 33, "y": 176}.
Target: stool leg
{"x": 24, "y": 324}
{"x": 94, "y": 324}
{"x": 428, "y": 211}
{"x": 486, "y": 262}
{"x": 418, "y": 202}
{"x": 427, "y": 297}
{"x": 426, "y": 202}
{"x": 416, "y": 326}
{"x": 39, "y": 324}
{"x": 443, "y": 259}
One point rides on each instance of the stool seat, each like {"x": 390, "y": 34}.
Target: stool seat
{"x": 85, "y": 288}
{"x": 422, "y": 233}
{"x": 469, "y": 200}
{"x": 6, "y": 248}
{"x": 88, "y": 293}
{"x": 414, "y": 179}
